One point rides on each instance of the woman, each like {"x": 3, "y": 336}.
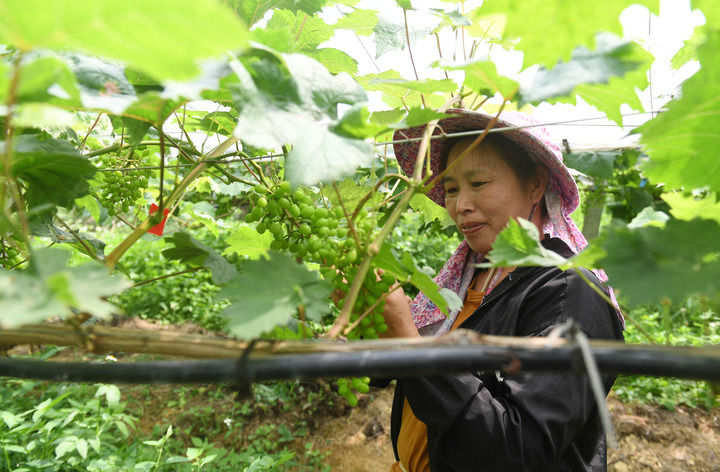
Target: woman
{"x": 486, "y": 421}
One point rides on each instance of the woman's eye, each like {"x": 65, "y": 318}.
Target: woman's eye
{"x": 478, "y": 184}
{"x": 451, "y": 190}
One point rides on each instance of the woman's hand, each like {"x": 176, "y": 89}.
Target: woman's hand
{"x": 397, "y": 315}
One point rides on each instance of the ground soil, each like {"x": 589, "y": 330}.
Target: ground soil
{"x": 650, "y": 438}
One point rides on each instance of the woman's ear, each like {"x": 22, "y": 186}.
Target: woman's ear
{"x": 537, "y": 184}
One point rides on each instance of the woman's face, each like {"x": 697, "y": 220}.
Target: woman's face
{"x": 482, "y": 193}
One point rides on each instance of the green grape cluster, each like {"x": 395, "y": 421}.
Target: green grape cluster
{"x": 10, "y": 257}
{"x": 121, "y": 189}
{"x": 321, "y": 234}
{"x": 348, "y": 387}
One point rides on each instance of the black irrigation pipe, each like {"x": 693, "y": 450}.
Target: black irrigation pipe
{"x": 662, "y": 361}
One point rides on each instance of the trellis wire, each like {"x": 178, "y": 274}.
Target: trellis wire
{"x": 399, "y": 141}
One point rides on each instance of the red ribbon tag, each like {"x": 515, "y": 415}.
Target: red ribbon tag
{"x": 160, "y": 227}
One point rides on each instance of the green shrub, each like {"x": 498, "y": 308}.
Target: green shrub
{"x": 690, "y": 324}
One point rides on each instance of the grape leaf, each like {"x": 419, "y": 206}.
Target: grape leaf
{"x": 335, "y": 60}
{"x": 252, "y": 11}
{"x": 648, "y": 216}
{"x": 246, "y": 241}
{"x": 46, "y": 79}
{"x": 362, "y": 22}
{"x": 391, "y": 36}
{"x": 482, "y": 77}
{"x": 606, "y": 77}
{"x": 648, "y": 264}
{"x": 144, "y": 34}
{"x": 518, "y": 244}
{"x": 298, "y": 93}
{"x": 318, "y": 89}
{"x": 688, "y": 207}
{"x": 151, "y": 108}
{"x": 404, "y": 4}
{"x": 430, "y": 211}
{"x": 103, "y": 85}
{"x": 351, "y": 193}
{"x": 687, "y": 52}
{"x": 268, "y": 293}
{"x": 451, "y": 17}
{"x": 549, "y": 31}
{"x": 595, "y": 164}
{"x": 49, "y": 288}
{"x": 222, "y": 122}
{"x": 52, "y": 171}
{"x": 43, "y": 225}
{"x": 356, "y": 123}
{"x": 681, "y": 141}
{"x": 305, "y": 33}
{"x": 191, "y": 251}
{"x": 422, "y": 86}
{"x": 404, "y": 269}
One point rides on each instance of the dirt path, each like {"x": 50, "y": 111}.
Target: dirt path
{"x": 650, "y": 438}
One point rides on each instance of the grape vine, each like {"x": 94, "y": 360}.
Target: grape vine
{"x": 306, "y": 225}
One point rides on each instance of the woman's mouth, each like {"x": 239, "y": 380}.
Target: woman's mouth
{"x": 470, "y": 228}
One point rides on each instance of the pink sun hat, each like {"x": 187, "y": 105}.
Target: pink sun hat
{"x": 515, "y": 126}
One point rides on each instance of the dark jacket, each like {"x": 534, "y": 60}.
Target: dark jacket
{"x": 525, "y": 421}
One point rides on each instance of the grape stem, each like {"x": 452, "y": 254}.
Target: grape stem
{"x": 9, "y": 183}
{"x": 414, "y": 184}
{"x": 377, "y": 185}
{"x": 171, "y": 201}
{"x": 351, "y": 226}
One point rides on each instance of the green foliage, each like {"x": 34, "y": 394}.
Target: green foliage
{"x": 67, "y": 430}
{"x": 550, "y": 31}
{"x": 404, "y": 269}
{"x": 680, "y": 141}
{"x": 268, "y": 292}
{"x": 69, "y": 427}
{"x": 187, "y": 297}
{"x": 191, "y": 251}
{"x": 140, "y": 34}
{"x": 648, "y": 264}
{"x": 619, "y": 66}
{"x": 50, "y": 288}
{"x": 519, "y": 245}
{"x": 53, "y": 173}
{"x": 285, "y": 89}
{"x": 692, "y": 323}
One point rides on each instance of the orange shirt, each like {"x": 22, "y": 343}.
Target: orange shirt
{"x": 412, "y": 440}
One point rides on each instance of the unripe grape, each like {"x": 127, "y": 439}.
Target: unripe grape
{"x": 261, "y": 189}
{"x": 351, "y": 399}
{"x": 276, "y": 229}
{"x": 257, "y": 213}
{"x": 294, "y": 210}
{"x": 307, "y": 211}
{"x": 262, "y": 202}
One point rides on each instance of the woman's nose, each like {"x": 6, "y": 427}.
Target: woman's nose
{"x": 464, "y": 202}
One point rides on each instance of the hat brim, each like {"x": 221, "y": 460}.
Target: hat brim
{"x": 522, "y": 130}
